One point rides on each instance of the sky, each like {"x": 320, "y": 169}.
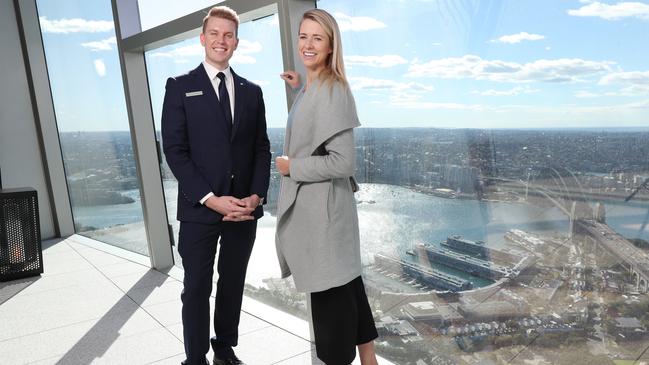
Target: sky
{"x": 415, "y": 63}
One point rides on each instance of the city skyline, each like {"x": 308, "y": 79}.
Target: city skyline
{"x": 478, "y": 64}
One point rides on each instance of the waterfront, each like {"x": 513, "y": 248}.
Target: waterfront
{"x": 393, "y": 220}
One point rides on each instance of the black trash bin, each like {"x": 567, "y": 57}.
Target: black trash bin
{"x": 20, "y": 237}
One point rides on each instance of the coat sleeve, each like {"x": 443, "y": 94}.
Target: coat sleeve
{"x": 338, "y": 162}
{"x": 175, "y": 141}
{"x": 261, "y": 171}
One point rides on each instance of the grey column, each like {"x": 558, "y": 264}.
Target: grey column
{"x": 140, "y": 116}
{"x": 45, "y": 117}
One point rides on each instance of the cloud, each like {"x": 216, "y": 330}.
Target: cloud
{"x": 241, "y": 56}
{"x": 384, "y": 61}
{"x": 612, "y": 12}
{"x": 585, "y": 94}
{"x": 517, "y": 38}
{"x": 247, "y": 47}
{"x": 102, "y": 45}
{"x": 628, "y": 78}
{"x": 76, "y": 25}
{"x": 243, "y": 53}
{"x": 193, "y": 50}
{"x": 401, "y": 94}
{"x": 474, "y": 67}
{"x": 511, "y": 92}
{"x": 416, "y": 104}
{"x": 357, "y": 23}
{"x": 367, "y": 83}
{"x": 100, "y": 67}
{"x": 635, "y": 82}
{"x": 634, "y": 90}
{"x": 242, "y": 59}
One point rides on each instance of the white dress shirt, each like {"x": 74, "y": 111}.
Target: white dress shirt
{"x": 229, "y": 85}
{"x": 229, "y": 82}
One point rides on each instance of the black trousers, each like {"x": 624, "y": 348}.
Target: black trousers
{"x": 342, "y": 319}
{"x": 197, "y": 247}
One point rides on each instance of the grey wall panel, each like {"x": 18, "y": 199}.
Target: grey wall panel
{"x": 20, "y": 150}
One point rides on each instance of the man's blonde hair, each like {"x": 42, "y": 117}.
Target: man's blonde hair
{"x": 335, "y": 68}
{"x": 223, "y": 12}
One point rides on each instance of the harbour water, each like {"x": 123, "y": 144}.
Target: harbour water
{"x": 394, "y": 219}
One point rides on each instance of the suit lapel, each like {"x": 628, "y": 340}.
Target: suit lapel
{"x": 239, "y": 101}
{"x": 205, "y": 84}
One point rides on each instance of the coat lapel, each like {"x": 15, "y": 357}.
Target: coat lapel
{"x": 239, "y": 101}
{"x": 205, "y": 84}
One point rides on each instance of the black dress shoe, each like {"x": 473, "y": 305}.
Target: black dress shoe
{"x": 228, "y": 359}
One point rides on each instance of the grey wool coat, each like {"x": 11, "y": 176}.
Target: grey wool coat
{"x": 317, "y": 236}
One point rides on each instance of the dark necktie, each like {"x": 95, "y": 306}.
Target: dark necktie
{"x": 224, "y": 99}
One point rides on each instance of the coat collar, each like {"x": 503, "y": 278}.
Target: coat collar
{"x": 240, "y": 94}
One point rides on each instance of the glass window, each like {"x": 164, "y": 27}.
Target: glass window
{"x": 504, "y": 178}
{"x": 157, "y": 12}
{"x": 86, "y": 83}
{"x": 258, "y": 58}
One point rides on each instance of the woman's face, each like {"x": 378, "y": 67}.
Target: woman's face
{"x": 314, "y": 45}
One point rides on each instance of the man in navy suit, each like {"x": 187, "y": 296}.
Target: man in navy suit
{"x": 215, "y": 142}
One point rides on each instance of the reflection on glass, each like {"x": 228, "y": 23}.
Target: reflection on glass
{"x": 156, "y": 12}
{"x": 258, "y": 59}
{"x": 86, "y": 83}
{"x": 504, "y": 203}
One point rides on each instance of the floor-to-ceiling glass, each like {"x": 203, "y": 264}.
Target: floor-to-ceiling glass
{"x": 86, "y": 82}
{"x": 504, "y": 200}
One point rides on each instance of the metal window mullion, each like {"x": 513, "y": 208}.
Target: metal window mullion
{"x": 140, "y": 115}
{"x": 45, "y": 117}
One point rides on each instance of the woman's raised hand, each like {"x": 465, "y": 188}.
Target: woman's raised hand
{"x": 292, "y": 78}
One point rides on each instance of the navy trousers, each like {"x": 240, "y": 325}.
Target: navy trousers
{"x": 197, "y": 247}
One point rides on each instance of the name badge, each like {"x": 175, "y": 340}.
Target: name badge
{"x": 193, "y": 93}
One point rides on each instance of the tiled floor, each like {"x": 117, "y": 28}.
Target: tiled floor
{"x": 93, "y": 305}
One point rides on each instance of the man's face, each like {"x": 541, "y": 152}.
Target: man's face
{"x": 220, "y": 41}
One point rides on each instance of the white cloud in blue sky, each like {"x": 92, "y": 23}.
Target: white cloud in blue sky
{"x": 629, "y": 78}
{"x": 357, "y": 23}
{"x": 245, "y": 51}
{"x": 367, "y": 83}
{"x": 102, "y": 45}
{"x": 75, "y": 25}
{"x": 585, "y": 94}
{"x": 474, "y": 67}
{"x": 612, "y": 11}
{"x": 517, "y": 38}
{"x": 375, "y": 61}
{"x": 517, "y": 90}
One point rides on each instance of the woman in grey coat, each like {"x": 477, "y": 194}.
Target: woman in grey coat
{"x": 317, "y": 224}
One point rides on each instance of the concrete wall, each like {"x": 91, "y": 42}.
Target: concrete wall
{"x": 20, "y": 150}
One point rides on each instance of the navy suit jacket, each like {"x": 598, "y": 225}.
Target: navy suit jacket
{"x": 201, "y": 153}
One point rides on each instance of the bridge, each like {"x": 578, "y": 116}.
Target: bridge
{"x": 632, "y": 258}
{"x": 566, "y": 194}
{"x": 586, "y": 221}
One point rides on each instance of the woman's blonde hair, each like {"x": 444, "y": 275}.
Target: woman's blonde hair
{"x": 335, "y": 67}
